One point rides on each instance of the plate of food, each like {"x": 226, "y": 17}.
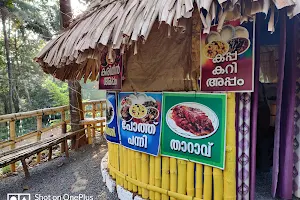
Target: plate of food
{"x": 214, "y": 48}
{"x": 110, "y": 113}
{"x": 192, "y": 120}
{"x": 239, "y": 45}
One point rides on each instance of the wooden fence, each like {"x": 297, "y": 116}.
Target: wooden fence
{"x": 90, "y": 108}
{"x": 175, "y": 179}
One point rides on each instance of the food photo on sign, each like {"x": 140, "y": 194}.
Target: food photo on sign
{"x": 111, "y": 128}
{"x": 140, "y": 121}
{"x": 227, "y": 58}
{"x": 194, "y": 127}
{"x": 111, "y": 70}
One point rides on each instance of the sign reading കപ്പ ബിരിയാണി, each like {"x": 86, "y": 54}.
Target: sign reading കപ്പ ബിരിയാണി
{"x": 227, "y": 58}
{"x": 140, "y": 121}
{"x": 194, "y": 127}
{"x": 111, "y": 128}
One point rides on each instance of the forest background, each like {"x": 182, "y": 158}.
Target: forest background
{"x": 26, "y": 26}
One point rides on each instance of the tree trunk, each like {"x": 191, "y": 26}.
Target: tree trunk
{"x": 74, "y": 86}
{"x": 8, "y": 63}
{"x": 16, "y": 97}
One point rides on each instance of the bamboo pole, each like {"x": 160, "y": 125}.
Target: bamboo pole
{"x": 90, "y": 139}
{"x": 157, "y": 174}
{"x": 152, "y": 176}
{"x": 190, "y": 179}
{"x": 165, "y": 176}
{"x": 199, "y": 184}
{"x": 113, "y": 159}
{"x": 181, "y": 176}
{"x": 132, "y": 160}
{"x": 229, "y": 172}
{"x": 121, "y": 165}
{"x": 145, "y": 174}
{"x": 207, "y": 183}
{"x": 39, "y": 122}
{"x": 125, "y": 166}
{"x": 129, "y": 168}
{"x": 12, "y": 137}
{"x": 118, "y": 164}
{"x": 109, "y": 158}
{"x": 218, "y": 184}
{"x": 138, "y": 170}
{"x": 173, "y": 176}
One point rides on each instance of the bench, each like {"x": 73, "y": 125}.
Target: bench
{"x": 23, "y": 152}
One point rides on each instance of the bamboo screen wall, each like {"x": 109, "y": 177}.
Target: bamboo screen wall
{"x": 169, "y": 178}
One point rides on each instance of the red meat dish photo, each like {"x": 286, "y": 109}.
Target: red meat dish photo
{"x": 192, "y": 120}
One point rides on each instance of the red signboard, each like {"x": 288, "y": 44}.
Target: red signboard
{"x": 227, "y": 58}
{"x": 110, "y": 77}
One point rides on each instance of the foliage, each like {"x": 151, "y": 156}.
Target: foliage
{"x": 58, "y": 92}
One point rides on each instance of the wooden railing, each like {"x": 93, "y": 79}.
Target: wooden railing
{"x": 93, "y": 109}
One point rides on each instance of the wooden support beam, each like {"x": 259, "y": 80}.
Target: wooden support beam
{"x": 63, "y": 130}
{"x": 12, "y": 137}
{"x": 39, "y": 122}
{"x": 66, "y": 148}
{"x": 25, "y": 168}
{"x": 50, "y": 154}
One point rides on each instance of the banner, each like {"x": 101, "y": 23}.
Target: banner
{"x": 111, "y": 128}
{"x": 227, "y": 58}
{"x": 140, "y": 121}
{"x": 194, "y": 127}
{"x": 111, "y": 69}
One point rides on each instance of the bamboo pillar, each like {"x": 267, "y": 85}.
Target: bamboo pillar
{"x": 145, "y": 174}
{"x": 138, "y": 170}
{"x": 181, "y": 176}
{"x": 90, "y": 139}
{"x": 118, "y": 164}
{"x": 113, "y": 159}
{"x": 121, "y": 165}
{"x": 173, "y": 176}
{"x": 229, "y": 172}
{"x": 12, "y": 137}
{"x": 218, "y": 184}
{"x": 152, "y": 176}
{"x": 165, "y": 176}
{"x": 190, "y": 185}
{"x": 132, "y": 160}
{"x": 129, "y": 168}
{"x": 157, "y": 174}
{"x": 109, "y": 156}
{"x": 199, "y": 183}
{"x": 39, "y": 122}
{"x": 207, "y": 183}
{"x": 125, "y": 166}
{"x": 63, "y": 130}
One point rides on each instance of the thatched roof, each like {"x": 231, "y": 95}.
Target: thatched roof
{"x": 117, "y": 24}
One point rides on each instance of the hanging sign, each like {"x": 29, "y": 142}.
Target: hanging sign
{"x": 227, "y": 58}
{"x": 194, "y": 127}
{"x": 140, "y": 121}
{"x": 110, "y": 75}
{"x": 111, "y": 128}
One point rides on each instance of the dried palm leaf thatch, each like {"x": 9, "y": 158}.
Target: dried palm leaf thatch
{"x": 116, "y": 24}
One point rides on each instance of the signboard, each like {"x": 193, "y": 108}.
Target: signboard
{"x": 140, "y": 121}
{"x": 227, "y": 58}
{"x": 111, "y": 128}
{"x": 110, "y": 75}
{"x": 194, "y": 127}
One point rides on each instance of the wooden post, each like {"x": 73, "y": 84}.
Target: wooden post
{"x": 132, "y": 160}
{"x": 157, "y": 174}
{"x": 190, "y": 183}
{"x": 63, "y": 130}
{"x": 145, "y": 174}
{"x": 199, "y": 182}
{"x": 39, "y": 122}
{"x": 152, "y": 176}
{"x": 101, "y": 115}
{"x": 207, "y": 190}
{"x": 50, "y": 154}
{"x": 90, "y": 139}
{"x": 25, "y": 168}
{"x": 12, "y": 137}
{"x": 181, "y": 176}
{"x": 94, "y": 116}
